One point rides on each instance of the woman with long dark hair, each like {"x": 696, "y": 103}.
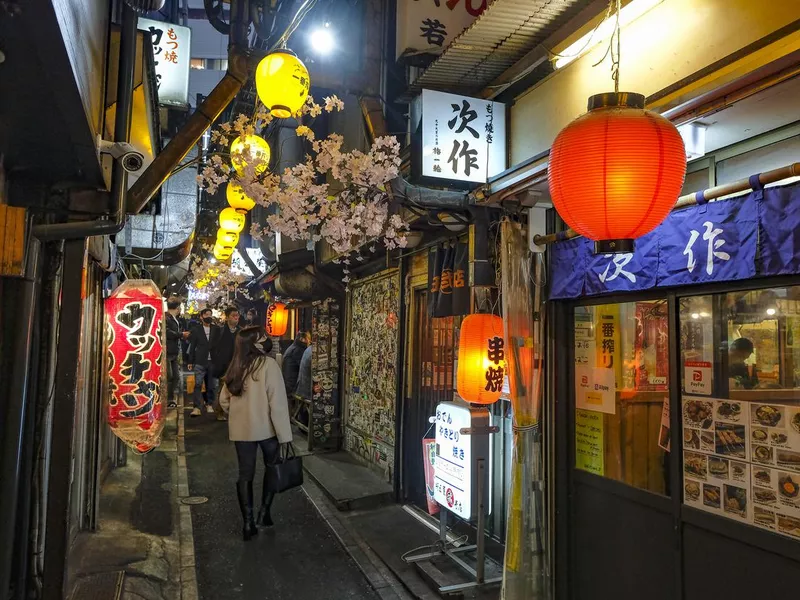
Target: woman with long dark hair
{"x": 255, "y": 398}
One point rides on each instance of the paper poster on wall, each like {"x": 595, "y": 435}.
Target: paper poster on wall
{"x": 589, "y": 442}
{"x": 742, "y": 460}
{"x": 697, "y": 377}
{"x": 595, "y": 389}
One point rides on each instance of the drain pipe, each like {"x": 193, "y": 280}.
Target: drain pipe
{"x": 240, "y": 64}
{"x": 122, "y": 132}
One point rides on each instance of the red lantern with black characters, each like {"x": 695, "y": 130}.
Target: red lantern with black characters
{"x": 617, "y": 171}
{"x": 277, "y": 319}
{"x": 136, "y": 369}
{"x": 481, "y": 359}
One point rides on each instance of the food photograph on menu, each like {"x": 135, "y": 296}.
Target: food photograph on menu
{"x": 741, "y": 460}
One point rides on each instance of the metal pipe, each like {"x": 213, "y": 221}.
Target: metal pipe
{"x": 64, "y": 402}
{"x": 122, "y": 132}
{"x": 713, "y": 193}
{"x": 13, "y": 432}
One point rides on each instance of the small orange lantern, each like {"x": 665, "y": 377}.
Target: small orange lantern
{"x": 277, "y": 319}
{"x": 481, "y": 359}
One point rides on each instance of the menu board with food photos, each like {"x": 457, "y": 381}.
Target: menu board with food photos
{"x": 741, "y": 460}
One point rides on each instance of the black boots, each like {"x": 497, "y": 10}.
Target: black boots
{"x": 264, "y": 516}
{"x": 244, "y": 490}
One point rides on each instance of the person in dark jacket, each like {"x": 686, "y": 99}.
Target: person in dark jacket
{"x": 304, "y": 389}
{"x": 175, "y": 336}
{"x": 291, "y": 361}
{"x": 223, "y": 342}
{"x": 200, "y": 362}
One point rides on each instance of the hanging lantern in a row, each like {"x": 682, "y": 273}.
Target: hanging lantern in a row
{"x": 135, "y": 344}
{"x": 617, "y": 171}
{"x": 237, "y": 199}
{"x": 481, "y": 359}
{"x": 282, "y": 83}
{"x": 250, "y": 147}
{"x": 277, "y": 319}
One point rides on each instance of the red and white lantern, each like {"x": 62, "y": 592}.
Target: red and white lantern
{"x": 135, "y": 342}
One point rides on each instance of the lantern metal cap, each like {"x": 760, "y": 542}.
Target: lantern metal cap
{"x": 618, "y": 99}
{"x": 613, "y": 246}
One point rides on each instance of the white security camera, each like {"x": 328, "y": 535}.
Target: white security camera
{"x": 132, "y": 160}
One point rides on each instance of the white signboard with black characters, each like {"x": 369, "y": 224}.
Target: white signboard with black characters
{"x": 463, "y": 138}
{"x": 455, "y": 485}
{"x": 172, "y": 46}
{"x": 430, "y": 26}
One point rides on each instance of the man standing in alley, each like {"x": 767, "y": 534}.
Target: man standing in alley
{"x": 302, "y": 394}
{"x": 200, "y": 362}
{"x": 223, "y": 339}
{"x": 291, "y": 361}
{"x": 175, "y": 336}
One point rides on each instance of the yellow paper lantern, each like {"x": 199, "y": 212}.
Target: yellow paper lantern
{"x": 231, "y": 220}
{"x": 227, "y": 239}
{"x": 282, "y": 83}
{"x": 250, "y": 147}
{"x": 237, "y": 198}
{"x": 222, "y": 252}
{"x": 481, "y": 359}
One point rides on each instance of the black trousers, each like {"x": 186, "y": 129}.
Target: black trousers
{"x": 247, "y": 452}
{"x": 173, "y": 378}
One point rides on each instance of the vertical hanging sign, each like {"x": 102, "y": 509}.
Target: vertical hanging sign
{"x": 428, "y": 27}
{"x": 135, "y": 347}
{"x": 172, "y": 46}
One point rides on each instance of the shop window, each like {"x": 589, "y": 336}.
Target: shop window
{"x": 695, "y": 181}
{"x": 621, "y": 391}
{"x": 741, "y": 406}
{"x": 763, "y": 159}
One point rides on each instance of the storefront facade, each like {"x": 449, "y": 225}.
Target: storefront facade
{"x": 677, "y": 392}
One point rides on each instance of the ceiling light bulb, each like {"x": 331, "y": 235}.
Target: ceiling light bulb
{"x": 695, "y": 316}
{"x": 322, "y": 40}
{"x": 771, "y": 311}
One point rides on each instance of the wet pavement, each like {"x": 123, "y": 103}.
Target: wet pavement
{"x": 300, "y": 558}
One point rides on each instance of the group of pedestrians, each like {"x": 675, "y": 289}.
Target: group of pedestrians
{"x": 255, "y": 393}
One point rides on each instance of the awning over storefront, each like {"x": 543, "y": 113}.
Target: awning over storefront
{"x": 729, "y": 240}
{"x": 501, "y": 36}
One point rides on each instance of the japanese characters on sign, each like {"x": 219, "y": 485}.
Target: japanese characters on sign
{"x": 495, "y": 364}
{"x": 453, "y": 465}
{"x": 135, "y": 346}
{"x": 448, "y": 293}
{"x": 715, "y": 242}
{"x": 172, "y": 54}
{"x": 429, "y": 26}
{"x": 463, "y": 139}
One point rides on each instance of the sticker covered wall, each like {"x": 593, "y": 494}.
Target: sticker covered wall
{"x": 325, "y": 406}
{"x": 372, "y": 371}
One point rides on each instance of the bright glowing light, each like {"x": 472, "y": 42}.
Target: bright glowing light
{"x": 695, "y": 316}
{"x": 213, "y": 260}
{"x": 322, "y": 40}
{"x": 629, "y": 13}
{"x": 771, "y": 312}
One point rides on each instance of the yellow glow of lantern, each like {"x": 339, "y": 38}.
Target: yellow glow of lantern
{"x": 250, "y": 147}
{"x": 231, "y": 220}
{"x": 481, "y": 359}
{"x": 237, "y": 198}
{"x": 282, "y": 83}
{"x": 227, "y": 239}
{"x": 222, "y": 252}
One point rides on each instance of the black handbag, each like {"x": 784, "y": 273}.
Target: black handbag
{"x": 286, "y": 472}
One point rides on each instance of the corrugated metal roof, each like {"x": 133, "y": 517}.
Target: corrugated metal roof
{"x": 501, "y": 36}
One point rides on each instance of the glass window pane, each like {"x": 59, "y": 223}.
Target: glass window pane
{"x": 621, "y": 387}
{"x": 695, "y": 182}
{"x": 741, "y": 406}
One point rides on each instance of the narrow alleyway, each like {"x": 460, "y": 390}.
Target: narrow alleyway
{"x": 300, "y": 558}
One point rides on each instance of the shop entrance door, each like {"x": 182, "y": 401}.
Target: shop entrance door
{"x": 432, "y": 381}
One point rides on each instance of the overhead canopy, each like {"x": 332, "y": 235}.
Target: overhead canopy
{"x": 501, "y": 36}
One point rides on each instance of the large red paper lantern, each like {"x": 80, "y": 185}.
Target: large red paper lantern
{"x": 481, "y": 359}
{"x": 277, "y": 319}
{"x": 135, "y": 345}
{"x": 617, "y": 171}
